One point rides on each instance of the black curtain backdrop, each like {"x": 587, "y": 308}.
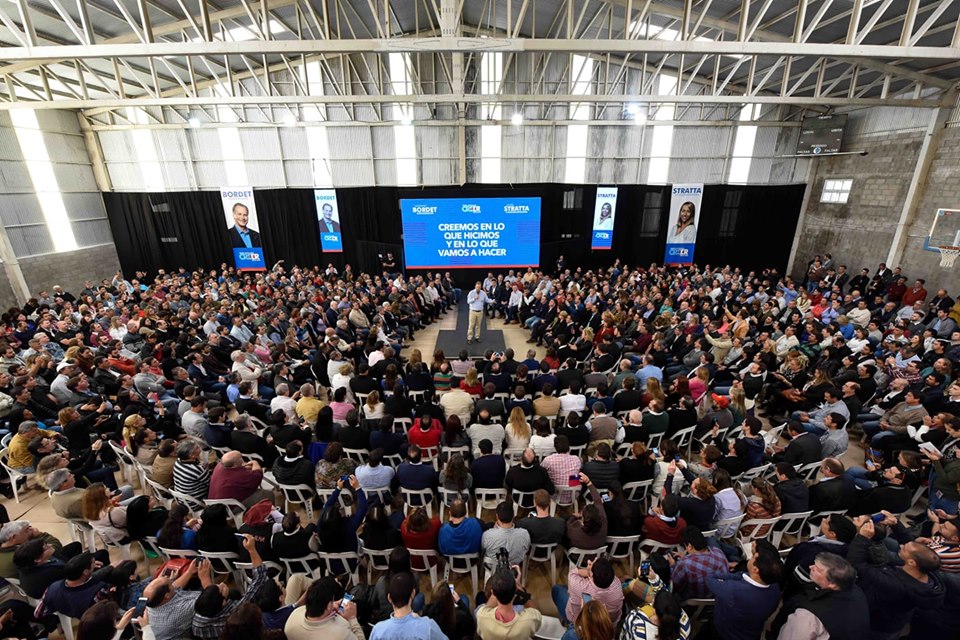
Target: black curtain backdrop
{"x": 749, "y": 226}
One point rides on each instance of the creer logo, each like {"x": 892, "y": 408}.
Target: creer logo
{"x": 249, "y": 255}
{"x": 603, "y": 235}
{"x": 331, "y": 237}
{"x": 470, "y": 208}
{"x": 681, "y": 252}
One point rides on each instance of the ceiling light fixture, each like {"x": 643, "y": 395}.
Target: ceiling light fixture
{"x": 517, "y": 119}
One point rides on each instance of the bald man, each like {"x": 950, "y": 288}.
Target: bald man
{"x": 238, "y": 480}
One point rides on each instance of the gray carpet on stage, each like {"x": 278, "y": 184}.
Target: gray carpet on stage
{"x": 453, "y": 341}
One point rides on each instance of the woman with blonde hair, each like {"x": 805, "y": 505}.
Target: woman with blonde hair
{"x": 517, "y": 431}
{"x": 738, "y": 403}
{"x": 415, "y": 357}
{"x": 471, "y": 382}
{"x": 372, "y": 408}
{"x": 655, "y": 391}
{"x": 342, "y": 379}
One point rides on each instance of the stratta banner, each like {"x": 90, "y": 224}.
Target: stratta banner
{"x": 604, "y": 214}
{"x": 682, "y": 231}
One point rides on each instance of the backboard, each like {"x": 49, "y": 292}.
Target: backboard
{"x": 945, "y": 230}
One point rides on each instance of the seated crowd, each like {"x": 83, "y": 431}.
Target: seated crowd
{"x": 284, "y": 436}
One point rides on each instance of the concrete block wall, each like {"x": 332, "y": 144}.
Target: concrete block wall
{"x": 70, "y": 269}
{"x": 859, "y": 233}
{"x": 941, "y": 191}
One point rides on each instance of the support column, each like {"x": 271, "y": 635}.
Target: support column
{"x": 811, "y": 174}
{"x": 11, "y": 268}
{"x": 918, "y": 182}
{"x": 95, "y": 152}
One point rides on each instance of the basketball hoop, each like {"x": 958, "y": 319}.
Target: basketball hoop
{"x": 948, "y": 255}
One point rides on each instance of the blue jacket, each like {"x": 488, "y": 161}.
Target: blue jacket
{"x": 462, "y": 538}
{"x": 742, "y": 608}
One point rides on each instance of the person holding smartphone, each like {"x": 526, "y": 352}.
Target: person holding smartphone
{"x": 325, "y": 615}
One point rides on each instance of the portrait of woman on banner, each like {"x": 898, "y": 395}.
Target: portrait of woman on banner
{"x": 685, "y": 230}
{"x": 604, "y": 217}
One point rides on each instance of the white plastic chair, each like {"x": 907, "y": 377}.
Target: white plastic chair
{"x": 413, "y": 498}
{"x": 13, "y": 473}
{"x": 126, "y": 461}
{"x": 235, "y": 509}
{"x": 299, "y": 494}
{"x": 638, "y": 491}
{"x": 194, "y": 505}
{"x": 791, "y": 524}
{"x": 309, "y": 565}
{"x": 543, "y": 553}
{"x": 426, "y": 556}
{"x": 579, "y": 557}
{"x": 809, "y": 471}
{"x": 761, "y": 528}
{"x": 487, "y": 497}
{"x": 524, "y": 500}
{"x": 466, "y": 564}
{"x": 348, "y": 559}
{"x": 377, "y": 560}
{"x": 360, "y": 455}
{"x": 623, "y": 547}
{"x": 728, "y": 527}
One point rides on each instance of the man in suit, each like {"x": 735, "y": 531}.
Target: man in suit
{"x": 327, "y": 223}
{"x": 242, "y": 236}
{"x": 834, "y": 492}
{"x": 804, "y": 447}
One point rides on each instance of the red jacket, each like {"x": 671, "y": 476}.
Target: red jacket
{"x": 912, "y": 296}
{"x": 656, "y": 529}
{"x": 421, "y": 540}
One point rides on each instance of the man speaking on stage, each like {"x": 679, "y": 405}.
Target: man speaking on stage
{"x": 476, "y": 300}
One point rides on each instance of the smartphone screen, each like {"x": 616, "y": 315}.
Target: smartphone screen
{"x": 644, "y": 568}
{"x": 878, "y": 518}
{"x": 141, "y": 606}
{"x": 347, "y": 598}
{"x": 574, "y": 481}
{"x": 606, "y": 497}
{"x": 656, "y": 452}
{"x": 452, "y": 591}
{"x": 346, "y": 479}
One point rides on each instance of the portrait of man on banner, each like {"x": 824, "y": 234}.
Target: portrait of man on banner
{"x": 329, "y": 218}
{"x": 242, "y": 235}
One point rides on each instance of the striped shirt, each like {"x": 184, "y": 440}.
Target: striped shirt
{"x": 949, "y": 554}
{"x": 638, "y": 625}
{"x": 191, "y": 478}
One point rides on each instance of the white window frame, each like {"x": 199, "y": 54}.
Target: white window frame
{"x": 836, "y": 190}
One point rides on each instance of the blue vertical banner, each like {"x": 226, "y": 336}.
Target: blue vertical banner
{"x": 685, "y": 202}
{"x": 604, "y": 215}
{"x": 328, "y": 219}
{"x": 240, "y": 212}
